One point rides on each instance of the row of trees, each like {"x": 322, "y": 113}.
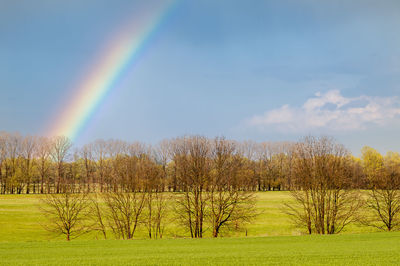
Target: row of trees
{"x": 214, "y": 179}
{"x": 211, "y": 194}
{"x": 326, "y": 198}
{"x": 46, "y": 165}
{"x": 214, "y": 195}
{"x": 74, "y": 214}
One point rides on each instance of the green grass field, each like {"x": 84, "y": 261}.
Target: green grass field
{"x": 362, "y": 249}
{"x": 271, "y": 240}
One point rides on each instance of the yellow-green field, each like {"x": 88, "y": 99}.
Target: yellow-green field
{"x": 20, "y": 220}
{"x": 271, "y": 240}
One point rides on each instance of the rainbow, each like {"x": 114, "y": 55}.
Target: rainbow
{"x": 107, "y": 69}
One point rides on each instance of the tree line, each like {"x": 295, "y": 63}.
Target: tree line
{"x": 46, "y": 165}
{"x": 210, "y": 193}
{"x": 214, "y": 180}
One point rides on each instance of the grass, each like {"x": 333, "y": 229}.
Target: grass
{"x": 346, "y": 249}
{"x": 20, "y": 220}
{"x": 23, "y": 241}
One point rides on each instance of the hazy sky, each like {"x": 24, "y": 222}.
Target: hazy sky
{"x": 261, "y": 70}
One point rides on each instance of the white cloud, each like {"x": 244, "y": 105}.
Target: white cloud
{"x": 330, "y": 111}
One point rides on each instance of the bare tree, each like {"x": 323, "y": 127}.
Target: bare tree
{"x": 101, "y": 157}
{"x": 162, "y": 153}
{"x": 229, "y": 206}
{"x": 86, "y": 153}
{"x": 156, "y": 213}
{"x": 3, "y": 157}
{"x": 156, "y": 199}
{"x": 28, "y": 148}
{"x": 59, "y": 152}
{"x": 66, "y": 214}
{"x": 267, "y": 170}
{"x": 73, "y": 174}
{"x": 124, "y": 212}
{"x": 97, "y": 216}
{"x": 250, "y": 150}
{"x": 191, "y": 156}
{"x": 43, "y": 164}
{"x": 13, "y": 144}
{"x": 325, "y": 202}
{"x": 383, "y": 201}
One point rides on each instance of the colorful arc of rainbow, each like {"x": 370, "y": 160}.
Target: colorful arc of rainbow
{"x": 107, "y": 71}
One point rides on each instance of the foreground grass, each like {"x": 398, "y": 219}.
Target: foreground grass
{"x": 347, "y": 249}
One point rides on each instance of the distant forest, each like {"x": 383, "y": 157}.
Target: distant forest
{"x": 50, "y": 165}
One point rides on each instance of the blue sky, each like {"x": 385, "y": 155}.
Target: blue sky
{"x": 261, "y": 70}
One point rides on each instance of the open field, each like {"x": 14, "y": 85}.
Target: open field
{"x": 271, "y": 240}
{"x": 20, "y": 220}
{"x": 345, "y": 249}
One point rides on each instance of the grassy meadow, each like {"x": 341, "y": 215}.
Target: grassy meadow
{"x": 345, "y": 249}
{"x": 21, "y": 219}
{"x": 271, "y": 239}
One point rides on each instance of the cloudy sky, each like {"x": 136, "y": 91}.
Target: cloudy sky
{"x": 260, "y": 70}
